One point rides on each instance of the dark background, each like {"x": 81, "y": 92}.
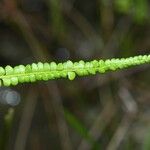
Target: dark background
{"x": 110, "y": 111}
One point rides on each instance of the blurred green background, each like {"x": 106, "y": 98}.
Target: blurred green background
{"x": 102, "y": 112}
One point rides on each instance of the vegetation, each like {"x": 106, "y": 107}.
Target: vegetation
{"x": 46, "y": 71}
{"x": 69, "y": 39}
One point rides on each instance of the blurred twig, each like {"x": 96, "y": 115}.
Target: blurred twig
{"x": 119, "y": 134}
{"x": 26, "y": 119}
{"x": 57, "y": 108}
{"x": 131, "y": 110}
{"x": 106, "y": 17}
{"x": 5, "y": 134}
{"x": 102, "y": 120}
{"x": 120, "y": 31}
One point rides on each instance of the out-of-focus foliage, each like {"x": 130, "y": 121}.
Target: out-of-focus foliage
{"x": 138, "y": 9}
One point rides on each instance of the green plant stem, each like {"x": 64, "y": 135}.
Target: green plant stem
{"x": 46, "y": 71}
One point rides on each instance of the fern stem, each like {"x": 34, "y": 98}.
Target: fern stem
{"x": 47, "y": 71}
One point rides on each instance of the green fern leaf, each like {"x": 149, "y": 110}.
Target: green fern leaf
{"x": 49, "y": 71}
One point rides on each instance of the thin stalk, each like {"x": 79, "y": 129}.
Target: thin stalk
{"x": 47, "y": 71}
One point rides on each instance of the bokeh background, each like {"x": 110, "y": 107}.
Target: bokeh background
{"x": 102, "y": 112}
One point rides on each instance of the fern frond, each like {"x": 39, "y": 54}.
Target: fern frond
{"x": 48, "y": 71}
